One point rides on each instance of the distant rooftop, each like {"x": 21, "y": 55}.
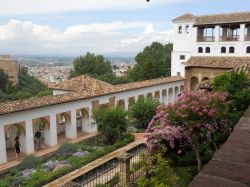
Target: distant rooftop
{"x": 238, "y": 17}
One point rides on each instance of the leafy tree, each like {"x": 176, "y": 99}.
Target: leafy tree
{"x": 91, "y": 64}
{"x": 27, "y": 87}
{"x": 143, "y": 111}
{"x": 96, "y": 66}
{"x": 153, "y": 62}
{"x": 238, "y": 87}
{"x": 111, "y": 123}
{"x": 5, "y": 84}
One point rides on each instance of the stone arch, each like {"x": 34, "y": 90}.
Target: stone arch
{"x": 63, "y": 120}
{"x": 121, "y": 103}
{"x": 193, "y": 83}
{"x": 204, "y": 79}
{"x": 149, "y": 96}
{"x": 131, "y": 101}
{"x": 41, "y": 125}
{"x": 11, "y": 131}
{"x": 83, "y": 121}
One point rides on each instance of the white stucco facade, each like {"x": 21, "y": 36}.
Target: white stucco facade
{"x": 26, "y": 123}
{"x": 189, "y": 37}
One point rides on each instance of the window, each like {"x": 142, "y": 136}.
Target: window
{"x": 187, "y": 29}
{"x": 248, "y": 49}
{"x": 180, "y": 29}
{"x": 182, "y": 57}
{"x": 207, "y": 49}
{"x": 200, "y": 50}
{"x": 231, "y": 49}
{"x": 223, "y": 50}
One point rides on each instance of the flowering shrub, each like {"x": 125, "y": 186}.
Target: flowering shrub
{"x": 190, "y": 120}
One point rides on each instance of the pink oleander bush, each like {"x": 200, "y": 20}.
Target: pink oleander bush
{"x": 191, "y": 120}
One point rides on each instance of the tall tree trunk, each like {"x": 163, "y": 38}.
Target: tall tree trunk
{"x": 197, "y": 152}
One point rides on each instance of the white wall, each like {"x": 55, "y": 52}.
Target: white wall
{"x": 186, "y": 44}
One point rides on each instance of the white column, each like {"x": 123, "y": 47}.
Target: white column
{"x": 161, "y": 100}
{"x": 29, "y": 137}
{"x": 126, "y": 104}
{"x": 92, "y": 124}
{"x": 3, "y": 155}
{"x": 217, "y": 33}
{"x": 167, "y": 95}
{"x": 51, "y": 133}
{"x": 71, "y": 129}
{"x": 242, "y": 32}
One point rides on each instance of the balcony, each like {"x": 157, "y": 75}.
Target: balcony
{"x": 229, "y": 38}
{"x": 205, "y": 39}
{"x": 247, "y": 37}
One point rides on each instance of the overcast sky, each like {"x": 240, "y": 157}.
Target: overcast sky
{"x": 110, "y": 27}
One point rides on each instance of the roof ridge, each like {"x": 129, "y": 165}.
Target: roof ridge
{"x": 223, "y": 14}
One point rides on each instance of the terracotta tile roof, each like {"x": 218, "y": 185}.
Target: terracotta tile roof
{"x": 84, "y": 84}
{"x": 79, "y": 94}
{"x": 146, "y": 83}
{"x": 207, "y": 84}
{"x": 243, "y": 68}
{"x": 238, "y": 17}
{"x": 185, "y": 17}
{"x": 217, "y": 62}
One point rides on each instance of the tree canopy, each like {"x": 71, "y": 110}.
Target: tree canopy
{"x": 96, "y": 66}
{"x": 27, "y": 87}
{"x": 91, "y": 64}
{"x": 153, "y": 62}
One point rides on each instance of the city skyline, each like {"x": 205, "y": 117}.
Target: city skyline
{"x": 113, "y": 28}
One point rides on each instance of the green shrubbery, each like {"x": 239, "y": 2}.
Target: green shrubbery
{"x": 29, "y": 162}
{"x": 143, "y": 111}
{"x": 238, "y": 87}
{"x": 67, "y": 149}
{"x": 41, "y": 176}
{"x": 111, "y": 123}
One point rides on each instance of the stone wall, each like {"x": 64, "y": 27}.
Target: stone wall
{"x": 230, "y": 166}
{"x": 9, "y": 66}
{"x": 201, "y": 74}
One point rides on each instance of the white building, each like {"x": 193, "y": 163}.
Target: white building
{"x": 221, "y": 35}
{"x": 68, "y": 113}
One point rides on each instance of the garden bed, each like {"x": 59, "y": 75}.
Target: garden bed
{"x": 37, "y": 172}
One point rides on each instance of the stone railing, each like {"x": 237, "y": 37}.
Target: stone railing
{"x": 230, "y": 166}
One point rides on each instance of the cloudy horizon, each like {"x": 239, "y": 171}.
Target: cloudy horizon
{"x": 73, "y": 27}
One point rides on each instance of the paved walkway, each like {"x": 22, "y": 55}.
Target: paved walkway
{"x": 139, "y": 139}
{"x": 50, "y": 150}
{"x": 230, "y": 166}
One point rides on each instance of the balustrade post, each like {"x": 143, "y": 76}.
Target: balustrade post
{"x": 124, "y": 161}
